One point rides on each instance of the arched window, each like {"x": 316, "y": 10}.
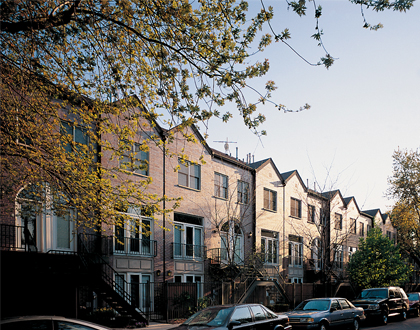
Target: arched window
{"x": 40, "y": 228}
{"x": 28, "y": 209}
{"x": 231, "y": 242}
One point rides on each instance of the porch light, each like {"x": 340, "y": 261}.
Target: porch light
{"x": 158, "y": 272}
{"x": 169, "y": 273}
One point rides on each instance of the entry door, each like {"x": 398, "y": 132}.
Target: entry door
{"x": 146, "y": 293}
{"x": 27, "y": 237}
{"x": 135, "y": 289}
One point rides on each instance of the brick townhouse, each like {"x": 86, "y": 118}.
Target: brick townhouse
{"x": 244, "y": 231}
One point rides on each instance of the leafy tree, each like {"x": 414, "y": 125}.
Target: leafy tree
{"x": 377, "y": 262}
{"x": 405, "y": 189}
{"x": 72, "y": 60}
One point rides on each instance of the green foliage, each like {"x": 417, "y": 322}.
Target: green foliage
{"x": 72, "y": 60}
{"x": 186, "y": 302}
{"x": 377, "y": 262}
{"x": 404, "y": 188}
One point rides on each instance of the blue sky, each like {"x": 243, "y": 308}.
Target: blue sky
{"x": 363, "y": 108}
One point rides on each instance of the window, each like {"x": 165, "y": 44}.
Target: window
{"x": 311, "y": 213}
{"x": 134, "y": 235}
{"x": 335, "y": 304}
{"x": 220, "y": 185}
{"x": 35, "y": 231}
{"x": 189, "y": 175}
{"x": 338, "y": 221}
{"x": 79, "y": 136}
{"x": 295, "y": 251}
{"x": 351, "y": 251}
{"x": 135, "y": 159}
{"x": 316, "y": 253}
{"x": 242, "y": 314}
{"x": 231, "y": 242}
{"x": 243, "y": 192}
{"x": 338, "y": 256}
{"x": 270, "y": 199}
{"x": 388, "y": 234}
{"x": 258, "y": 312}
{"x": 323, "y": 215}
{"x": 188, "y": 237}
{"x": 344, "y": 304}
{"x": 362, "y": 229}
{"x": 295, "y": 208}
{"x": 354, "y": 226}
{"x": 269, "y": 246}
{"x": 368, "y": 228}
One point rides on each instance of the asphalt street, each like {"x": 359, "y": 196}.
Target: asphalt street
{"x": 412, "y": 323}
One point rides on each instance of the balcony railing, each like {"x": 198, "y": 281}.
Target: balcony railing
{"x": 188, "y": 251}
{"x": 219, "y": 255}
{"x": 135, "y": 246}
{"x": 268, "y": 258}
{"x": 17, "y": 238}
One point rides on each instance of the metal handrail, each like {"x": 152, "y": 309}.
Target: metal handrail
{"x": 16, "y": 238}
{"x": 220, "y": 255}
{"x": 106, "y": 273}
{"x": 135, "y": 246}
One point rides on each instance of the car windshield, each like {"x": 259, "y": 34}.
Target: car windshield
{"x": 213, "y": 316}
{"x": 377, "y": 293}
{"x": 313, "y": 305}
{"x": 413, "y": 296}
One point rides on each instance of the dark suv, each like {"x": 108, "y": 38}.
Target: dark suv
{"x": 380, "y": 303}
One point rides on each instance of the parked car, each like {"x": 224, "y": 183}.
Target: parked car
{"x": 326, "y": 313}
{"x": 48, "y": 323}
{"x": 381, "y": 303}
{"x": 414, "y": 303}
{"x": 241, "y": 317}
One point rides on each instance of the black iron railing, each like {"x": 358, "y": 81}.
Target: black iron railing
{"x": 17, "y": 238}
{"x": 135, "y": 246}
{"x": 114, "y": 282}
{"x": 188, "y": 251}
{"x": 220, "y": 255}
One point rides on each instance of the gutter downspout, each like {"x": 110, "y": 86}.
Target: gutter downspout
{"x": 164, "y": 226}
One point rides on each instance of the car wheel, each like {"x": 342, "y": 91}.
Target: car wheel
{"x": 403, "y": 314}
{"x": 384, "y": 318}
{"x": 355, "y": 324}
{"x": 323, "y": 326}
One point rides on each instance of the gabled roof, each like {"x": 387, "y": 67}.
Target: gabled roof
{"x": 258, "y": 166}
{"x": 230, "y": 159}
{"x": 332, "y": 194}
{"x": 347, "y": 201}
{"x": 373, "y": 212}
{"x": 288, "y": 175}
{"x": 384, "y": 217}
